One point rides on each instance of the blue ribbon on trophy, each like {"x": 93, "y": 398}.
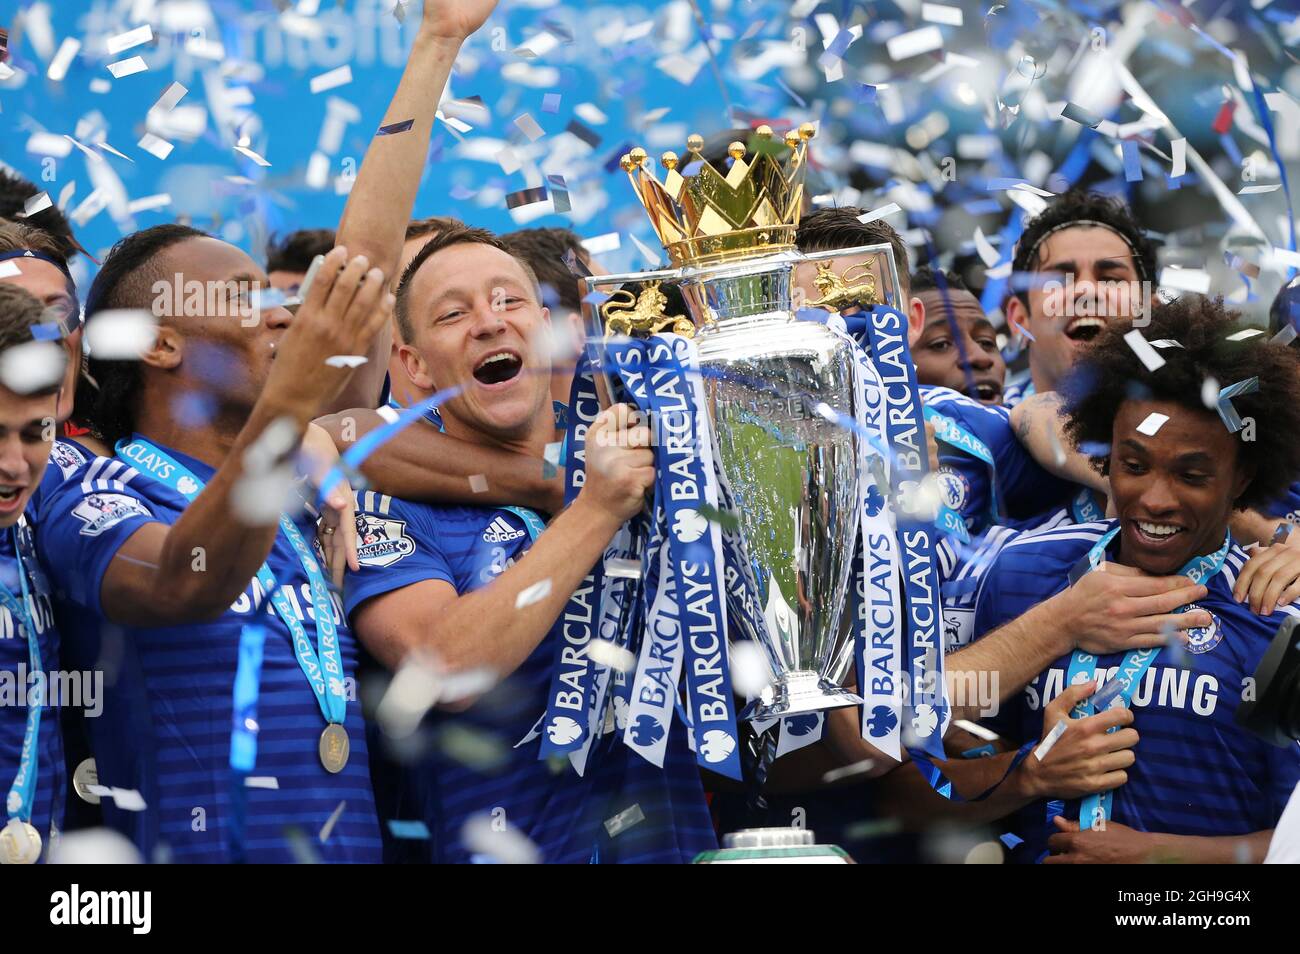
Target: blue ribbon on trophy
{"x": 685, "y": 484}
{"x": 658, "y": 671}
{"x": 926, "y": 704}
{"x": 566, "y": 722}
{"x": 656, "y": 375}
{"x": 878, "y": 623}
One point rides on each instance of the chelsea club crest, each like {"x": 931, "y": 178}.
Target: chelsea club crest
{"x": 1201, "y": 639}
{"x": 954, "y": 488}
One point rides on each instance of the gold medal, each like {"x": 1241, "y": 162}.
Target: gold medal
{"x": 334, "y": 748}
{"x": 84, "y": 778}
{"x": 20, "y": 843}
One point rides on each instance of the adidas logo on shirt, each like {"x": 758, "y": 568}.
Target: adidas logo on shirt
{"x": 499, "y": 531}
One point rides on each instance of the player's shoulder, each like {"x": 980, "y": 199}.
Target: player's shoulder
{"x": 94, "y": 496}
{"x": 1247, "y": 633}
{"x": 1233, "y": 563}
{"x": 1016, "y": 391}
{"x": 391, "y": 528}
{"x": 67, "y": 457}
{"x": 82, "y": 473}
{"x": 1064, "y": 541}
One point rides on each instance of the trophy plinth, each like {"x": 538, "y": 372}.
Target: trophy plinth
{"x": 799, "y": 693}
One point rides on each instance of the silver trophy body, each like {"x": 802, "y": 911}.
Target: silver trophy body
{"x": 771, "y": 381}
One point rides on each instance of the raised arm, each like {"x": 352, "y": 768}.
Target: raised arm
{"x": 1038, "y": 426}
{"x": 426, "y": 464}
{"x": 380, "y": 203}
{"x": 154, "y": 578}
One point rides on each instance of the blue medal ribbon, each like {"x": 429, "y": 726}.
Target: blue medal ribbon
{"x": 1096, "y": 808}
{"x": 22, "y": 793}
{"x": 322, "y": 663}
{"x": 1084, "y": 509}
{"x": 926, "y": 704}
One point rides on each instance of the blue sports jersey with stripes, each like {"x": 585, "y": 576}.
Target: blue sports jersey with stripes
{"x": 166, "y": 728}
{"x": 1286, "y": 506}
{"x": 1025, "y": 490}
{"x": 1196, "y": 772}
{"x": 16, "y": 684}
{"x": 1017, "y": 391}
{"x": 404, "y": 543}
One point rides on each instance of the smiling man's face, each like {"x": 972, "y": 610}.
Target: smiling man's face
{"x": 477, "y": 324}
{"x": 1087, "y": 278}
{"x": 1173, "y": 490}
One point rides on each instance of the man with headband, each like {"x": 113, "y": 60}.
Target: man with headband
{"x": 1083, "y": 262}
{"x": 1080, "y": 264}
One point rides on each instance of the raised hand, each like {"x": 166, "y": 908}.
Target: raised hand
{"x": 620, "y": 463}
{"x": 346, "y": 305}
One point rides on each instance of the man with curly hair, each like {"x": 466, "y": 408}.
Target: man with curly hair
{"x": 1189, "y": 785}
{"x": 1080, "y": 265}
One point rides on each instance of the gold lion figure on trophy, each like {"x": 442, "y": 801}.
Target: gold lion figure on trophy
{"x": 642, "y": 314}
{"x": 839, "y": 292}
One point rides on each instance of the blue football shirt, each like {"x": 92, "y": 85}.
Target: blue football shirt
{"x": 1016, "y": 391}
{"x": 1286, "y": 506}
{"x": 1025, "y": 489}
{"x": 166, "y": 726}
{"x": 1197, "y": 772}
{"x": 563, "y": 814}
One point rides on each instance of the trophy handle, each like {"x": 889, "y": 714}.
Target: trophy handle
{"x": 888, "y": 292}
{"x": 608, "y": 390}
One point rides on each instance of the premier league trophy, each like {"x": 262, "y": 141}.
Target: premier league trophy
{"x": 777, "y": 389}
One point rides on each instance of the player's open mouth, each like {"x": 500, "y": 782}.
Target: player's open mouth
{"x": 989, "y": 392}
{"x": 10, "y": 494}
{"x": 498, "y": 367}
{"x": 1156, "y": 534}
{"x": 1084, "y": 329}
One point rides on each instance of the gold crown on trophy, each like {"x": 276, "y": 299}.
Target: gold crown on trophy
{"x": 708, "y": 217}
